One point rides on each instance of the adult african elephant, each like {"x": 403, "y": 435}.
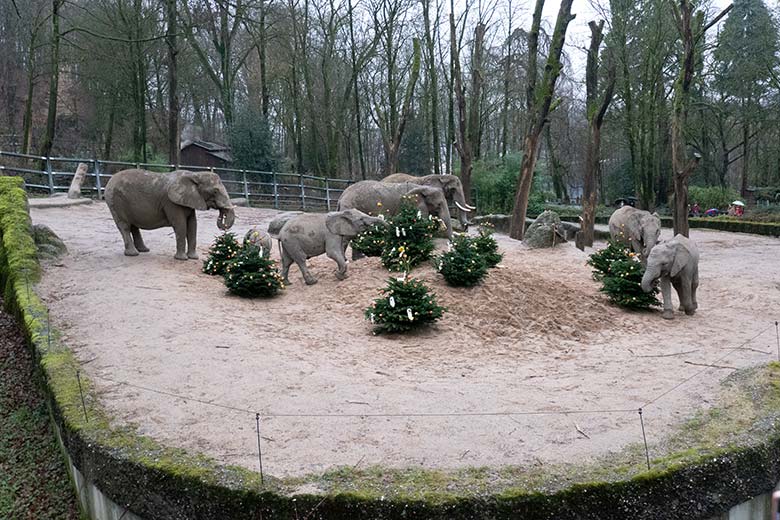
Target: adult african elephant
{"x": 676, "y": 263}
{"x": 139, "y": 199}
{"x": 375, "y": 197}
{"x": 312, "y": 234}
{"x": 636, "y": 228}
{"x": 449, "y": 184}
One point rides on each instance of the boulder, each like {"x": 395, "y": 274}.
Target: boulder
{"x": 544, "y": 232}
{"x": 501, "y": 223}
{"x": 50, "y": 246}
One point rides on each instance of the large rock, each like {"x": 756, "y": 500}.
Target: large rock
{"x": 544, "y": 232}
{"x": 50, "y": 246}
{"x": 78, "y": 179}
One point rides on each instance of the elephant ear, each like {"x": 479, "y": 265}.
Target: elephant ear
{"x": 184, "y": 192}
{"x": 679, "y": 261}
{"x": 341, "y": 223}
{"x": 429, "y": 193}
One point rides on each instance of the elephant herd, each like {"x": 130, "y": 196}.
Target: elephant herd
{"x": 139, "y": 199}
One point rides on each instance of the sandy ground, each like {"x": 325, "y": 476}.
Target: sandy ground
{"x": 537, "y": 336}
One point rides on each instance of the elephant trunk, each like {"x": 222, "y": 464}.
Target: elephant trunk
{"x": 650, "y": 276}
{"x": 226, "y": 218}
{"x": 444, "y": 214}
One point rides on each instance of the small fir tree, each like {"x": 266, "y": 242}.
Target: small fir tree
{"x": 623, "y": 285}
{"x": 370, "y": 242}
{"x": 222, "y": 251}
{"x": 251, "y": 275}
{"x": 487, "y": 246}
{"x": 603, "y": 258}
{"x": 405, "y": 304}
{"x": 408, "y": 238}
{"x": 462, "y": 265}
{"x": 620, "y": 272}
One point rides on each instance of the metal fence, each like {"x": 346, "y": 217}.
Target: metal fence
{"x": 270, "y": 189}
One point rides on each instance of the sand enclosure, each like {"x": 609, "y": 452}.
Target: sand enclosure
{"x": 536, "y": 336}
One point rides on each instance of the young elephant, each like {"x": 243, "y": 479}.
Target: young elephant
{"x": 676, "y": 263}
{"x": 259, "y": 238}
{"x": 309, "y": 235}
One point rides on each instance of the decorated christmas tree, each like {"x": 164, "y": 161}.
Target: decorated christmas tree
{"x": 251, "y": 275}
{"x": 405, "y": 304}
{"x": 603, "y": 258}
{"x": 462, "y": 265}
{"x": 487, "y": 246}
{"x": 623, "y": 285}
{"x": 620, "y": 272}
{"x": 222, "y": 251}
{"x": 370, "y": 242}
{"x": 408, "y": 238}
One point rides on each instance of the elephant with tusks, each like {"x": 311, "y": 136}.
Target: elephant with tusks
{"x": 449, "y": 184}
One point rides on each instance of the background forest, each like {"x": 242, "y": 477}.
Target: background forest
{"x": 362, "y": 88}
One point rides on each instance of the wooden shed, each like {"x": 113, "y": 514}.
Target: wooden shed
{"x": 205, "y": 154}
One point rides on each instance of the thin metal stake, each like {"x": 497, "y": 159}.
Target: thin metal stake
{"x": 644, "y": 437}
{"x": 777, "y": 334}
{"x": 81, "y": 391}
{"x": 259, "y": 451}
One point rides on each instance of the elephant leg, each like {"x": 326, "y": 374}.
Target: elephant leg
{"x": 694, "y": 287}
{"x": 337, "y": 255}
{"x": 666, "y": 291}
{"x": 192, "y": 236}
{"x": 681, "y": 288}
{"x": 299, "y": 257}
{"x": 127, "y": 236}
{"x": 179, "y": 223}
{"x": 138, "y": 240}
{"x": 287, "y": 261}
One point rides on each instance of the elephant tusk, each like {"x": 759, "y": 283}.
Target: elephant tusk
{"x": 462, "y": 208}
{"x": 471, "y": 207}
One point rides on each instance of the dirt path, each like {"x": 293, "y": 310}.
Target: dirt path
{"x": 537, "y": 336}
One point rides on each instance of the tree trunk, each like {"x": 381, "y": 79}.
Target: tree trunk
{"x": 743, "y": 187}
{"x": 51, "y": 114}
{"x": 173, "y": 89}
{"x": 540, "y": 99}
{"x": 356, "y": 94}
{"x": 433, "y": 85}
{"x": 506, "y": 71}
{"x": 681, "y": 166}
{"x": 595, "y": 110}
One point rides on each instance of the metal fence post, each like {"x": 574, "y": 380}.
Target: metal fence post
{"x": 98, "y": 184}
{"x": 276, "y": 190}
{"x": 327, "y": 193}
{"x": 246, "y": 187}
{"x": 50, "y": 175}
{"x": 303, "y": 194}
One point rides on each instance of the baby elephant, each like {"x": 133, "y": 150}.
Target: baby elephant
{"x": 676, "y": 263}
{"x": 259, "y": 238}
{"x": 309, "y": 235}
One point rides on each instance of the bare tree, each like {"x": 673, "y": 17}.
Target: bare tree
{"x": 539, "y": 103}
{"x": 596, "y": 109}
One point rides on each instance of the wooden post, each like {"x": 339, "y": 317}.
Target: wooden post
{"x": 50, "y": 175}
{"x": 98, "y": 182}
{"x": 246, "y": 187}
{"x": 303, "y": 193}
{"x": 276, "y": 190}
{"x": 74, "y": 192}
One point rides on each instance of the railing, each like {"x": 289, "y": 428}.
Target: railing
{"x": 260, "y": 188}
